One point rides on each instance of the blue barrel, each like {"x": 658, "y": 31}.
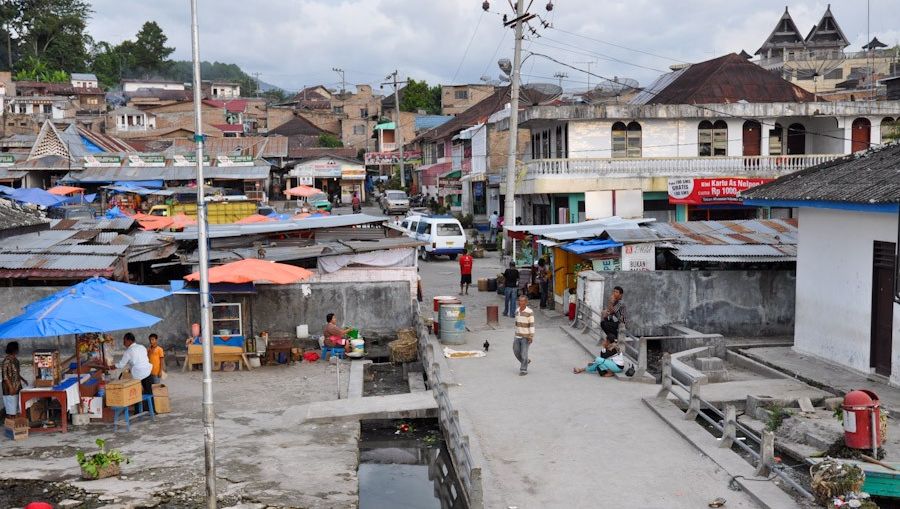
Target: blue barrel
{"x": 452, "y": 318}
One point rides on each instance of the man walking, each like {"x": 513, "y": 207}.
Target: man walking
{"x": 494, "y": 221}
{"x": 510, "y": 287}
{"x": 613, "y": 316}
{"x": 543, "y": 279}
{"x": 465, "y": 271}
{"x": 524, "y": 334}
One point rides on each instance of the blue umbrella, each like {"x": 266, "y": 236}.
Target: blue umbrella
{"x": 109, "y": 292}
{"x": 73, "y": 313}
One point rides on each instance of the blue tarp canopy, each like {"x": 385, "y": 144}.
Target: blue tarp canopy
{"x": 34, "y": 195}
{"x": 150, "y": 184}
{"x": 115, "y": 213}
{"x": 129, "y": 189}
{"x": 589, "y": 246}
{"x": 81, "y": 198}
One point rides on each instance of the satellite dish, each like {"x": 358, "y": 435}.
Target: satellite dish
{"x": 540, "y": 93}
{"x": 814, "y": 64}
{"x": 611, "y": 90}
{"x": 505, "y": 65}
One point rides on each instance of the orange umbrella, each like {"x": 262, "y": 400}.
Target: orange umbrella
{"x": 65, "y": 190}
{"x": 255, "y": 218}
{"x": 304, "y": 191}
{"x": 253, "y": 270}
{"x": 180, "y": 220}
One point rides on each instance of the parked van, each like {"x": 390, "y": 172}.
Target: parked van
{"x": 443, "y": 235}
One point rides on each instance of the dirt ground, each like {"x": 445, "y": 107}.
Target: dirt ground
{"x": 261, "y": 457}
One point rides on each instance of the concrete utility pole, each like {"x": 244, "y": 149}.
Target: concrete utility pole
{"x": 509, "y": 211}
{"x": 209, "y": 434}
{"x": 256, "y": 75}
{"x": 398, "y": 135}
{"x": 589, "y": 64}
{"x": 560, "y": 75}
{"x": 343, "y": 80}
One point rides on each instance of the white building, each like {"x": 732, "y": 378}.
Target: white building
{"x": 127, "y": 118}
{"x": 222, "y": 90}
{"x": 847, "y": 309}
{"x": 41, "y": 107}
{"x": 724, "y": 119}
{"x": 84, "y": 80}
{"x": 135, "y": 85}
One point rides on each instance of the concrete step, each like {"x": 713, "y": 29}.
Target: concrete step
{"x": 588, "y": 343}
{"x": 414, "y": 405}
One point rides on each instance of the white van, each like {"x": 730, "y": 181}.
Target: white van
{"x": 443, "y": 235}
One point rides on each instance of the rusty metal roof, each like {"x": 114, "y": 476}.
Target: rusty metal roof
{"x": 478, "y": 113}
{"x": 734, "y": 233}
{"x": 727, "y": 79}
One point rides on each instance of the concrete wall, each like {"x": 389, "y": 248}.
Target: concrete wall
{"x": 376, "y": 307}
{"x": 731, "y": 303}
{"x": 834, "y": 285}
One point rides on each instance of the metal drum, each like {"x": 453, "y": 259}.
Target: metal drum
{"x": 439, "y": 301}
{"x": 453, "y": 324}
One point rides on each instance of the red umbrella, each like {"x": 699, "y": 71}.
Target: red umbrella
{"x": 304, "y": 191}
{"x": 252, "y": 270}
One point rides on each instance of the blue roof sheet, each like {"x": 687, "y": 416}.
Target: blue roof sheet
{"x": 589, "y": 246}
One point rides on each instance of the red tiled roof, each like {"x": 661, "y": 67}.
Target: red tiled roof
{"x": 478, "y": 113}
{"x": 313, "y": 152}
{"x": 234, "y": 105}
{"x": 229, "y": 128}
{"x": 298, "y": 126}
{"x": 729, "y": 79}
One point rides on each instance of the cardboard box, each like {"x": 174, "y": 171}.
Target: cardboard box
{"x": 92, "y": 406}
{"x": 160, "y": 390}
{"x": 123, "y": 392}
{"x": 16, "y": 428}
{"x": 161, "y": 404}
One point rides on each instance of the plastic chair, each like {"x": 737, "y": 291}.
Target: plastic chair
{"x": 333, "y": 350}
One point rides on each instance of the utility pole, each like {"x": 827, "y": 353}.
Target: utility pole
{"x": 256, "y": 75}
{"x": 509, "y": 212}
{"x": 398, "y": 134}
{"x": 560, "y": 75}
{"x": 209, "y": 434}
{"x": 589, "y": 64}
{"x": 343, "y": 80}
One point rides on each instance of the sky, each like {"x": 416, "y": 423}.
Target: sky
{"x": 296, "y": 43}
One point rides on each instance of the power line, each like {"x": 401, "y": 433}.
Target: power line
{"x": 582, "y": 51}
{"x": 671, "y": 59}
{"x": 469, "y": 45}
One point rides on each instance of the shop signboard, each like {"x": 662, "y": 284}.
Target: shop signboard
{"x": 234, "y": 160}
{"x": 147, "y": 160}
{"x": 94, "y": 161}
{"x": 639, "y": 257}
{"x": 387, "y": 158}
{"x": 606, "y": 264}
{"x": 710, "y": 191}
{"x": 7, "y": 160}
{"x": 353, "y": 172}
{"x": 187, "y": 160}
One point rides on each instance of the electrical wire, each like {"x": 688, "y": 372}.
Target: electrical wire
{"x": 469, "y": 45}
{"x": 581, "y": 51}
{"x": 620, "y": 46}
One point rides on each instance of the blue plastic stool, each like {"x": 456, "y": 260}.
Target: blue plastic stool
{"x": 335, "y": 350}
{"x": 146, "y": 399}
{"x": 147, "y": 402}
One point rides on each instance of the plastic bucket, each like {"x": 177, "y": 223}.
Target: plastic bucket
{"x": 302, "y": 331}
{"x": 453, "y": 324}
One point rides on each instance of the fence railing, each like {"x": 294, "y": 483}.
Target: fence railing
{"x": 457, "y": 441}
{"x": 634, "y": 348}
{"x": 727, "y": 424}
{"x": 751, "y": 166}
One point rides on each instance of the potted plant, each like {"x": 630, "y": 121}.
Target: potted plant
{"x": 102, "y": 464}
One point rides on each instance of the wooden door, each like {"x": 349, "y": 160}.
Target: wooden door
{"x": 796, "y": 139}
{"x": 882, "y": 307}
{"x": 861, "y": 134}
{"x": 752, "y": 138}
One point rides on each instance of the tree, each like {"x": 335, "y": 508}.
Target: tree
{"x": 107, "y": 63}
{"x": 149, "y": 53}
{"x": 417, "y": 95}
{"x": 329, "y": 141}
{"x": 53, "y": 31}
{"x": 35, "y": 69}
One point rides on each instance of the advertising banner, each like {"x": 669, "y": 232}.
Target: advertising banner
{"x": 710, "y": 191}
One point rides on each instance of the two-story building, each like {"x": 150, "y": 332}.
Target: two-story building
{"x": 684, "y": 147}
{"x": 353, "y": 115}
{"x": 456, "y": 99}
{"x": 221, "y": 89}
{"x": 84, "y": 80}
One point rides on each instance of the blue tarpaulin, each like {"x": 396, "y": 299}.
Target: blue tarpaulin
{"x": 80, "y": 198}
{"x": 115, "y": 213}
{"x": 34, "y": 195}
{"x": 150, "y": 184}
{"x": 130, "y": 189}
{"x": 589, "y": 246}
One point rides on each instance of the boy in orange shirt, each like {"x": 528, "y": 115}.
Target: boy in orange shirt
{"x": 156, "y": 354}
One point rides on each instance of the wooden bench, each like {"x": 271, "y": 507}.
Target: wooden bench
{"x": 220, "y": 354}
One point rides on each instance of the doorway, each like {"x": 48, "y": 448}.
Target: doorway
{"x": 861, "y": 134}
{"x": 752, "y": 138}
{"x": 882, "y": 307}
{"x": 796, "y": 139}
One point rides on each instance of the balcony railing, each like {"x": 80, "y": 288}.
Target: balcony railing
{"x": 763, "y": 166}
{"x": 388, "y": 147}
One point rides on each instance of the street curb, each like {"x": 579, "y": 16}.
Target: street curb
{"x": 765, "y": 493}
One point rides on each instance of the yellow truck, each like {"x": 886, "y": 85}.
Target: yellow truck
{"x": 217, "y": 212}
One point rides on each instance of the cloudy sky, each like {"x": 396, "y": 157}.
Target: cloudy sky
{"x": 293, "y": 43}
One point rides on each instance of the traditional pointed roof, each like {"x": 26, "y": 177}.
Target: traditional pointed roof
{"x": 827, "y": 33}
{"x": 875, "y": 44}
{"x": 784, "y": 35}
{"x": 746, "y": 55}
{"x": 49, "y": 143}
{"x": 727, "y": 79}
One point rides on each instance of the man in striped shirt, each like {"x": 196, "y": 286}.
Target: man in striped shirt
{"x": 524, "y": 334}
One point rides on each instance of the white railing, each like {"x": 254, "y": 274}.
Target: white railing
{"x": 388, "y": 147}
{"x": 768, "y": 166}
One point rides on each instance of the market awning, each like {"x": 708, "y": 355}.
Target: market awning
{"x": 122, "y": 174}
{"x": 589, "y": 246}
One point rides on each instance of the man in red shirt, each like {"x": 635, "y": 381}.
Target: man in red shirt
{"x": 465, "y": 270}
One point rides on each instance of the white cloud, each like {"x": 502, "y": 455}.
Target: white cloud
{"x": 296, "y": 42}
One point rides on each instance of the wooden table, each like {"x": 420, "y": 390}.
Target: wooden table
{"x": 277, "y": 346}
{"x": 29, "y": 394}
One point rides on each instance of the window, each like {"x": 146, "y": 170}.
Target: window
{"x": 545, "y": 144}
{"x": 338, "y": 109}
{"x": 559, "y": 142}
{"x": 21, "y": 108}
{"x": 890, "y": 129}
{"x": 712, "y": 138}
{"x": 423, "y": 227}
{"x": 47, "y": 108}
{"x": 226, "y": 319}
{"x": 359, "y": 129}
{"x": 626, "y": 139}
{"x": 836, "y": 74}
{"x": 461, "y": 94}
{"x": 775, "y": 137}
{"x": 364, "y": 113}
{"x": 404, "y": 224}
{"x": 448, "y": 230}
{"x": 413, "y": 226}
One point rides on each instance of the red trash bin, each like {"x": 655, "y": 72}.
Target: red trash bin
{"x": 862, "y": 413}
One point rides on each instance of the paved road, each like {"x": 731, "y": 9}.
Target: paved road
{"x": 553, "y": 439}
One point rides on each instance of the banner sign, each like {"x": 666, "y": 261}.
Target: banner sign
{"x": 98, "y": 160}
{"x": 382, "y": 158}
{"x": 187, "y": 160}
{"x": 639, "y": 257}
{"x": 710, "y": 191}
{"x": 7, "y": 159}
{"x": 234, "y": 160}
{"x": 147, "y": 160}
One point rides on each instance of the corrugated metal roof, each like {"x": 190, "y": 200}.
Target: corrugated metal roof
{"x": 734, "y": 250}
{"x": 752, "y": 231}
{"x": 117, "y": 224}
{"x": 738, "y": 259}
{"x": 149, "y": 253}
{"x": 168, "y": 173}
{"x": 107, "y": 237}
{"x": 237, "y": 230}
{"x": 37, "y": 240}
{"x": 609, "y": 222}
{"x": 869, "y": 177}
{"x": 94, "y": 249}
{"x": 633, "y": 235}
{"x": 55, "y": 262}
{"x": 287, "y": 253}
